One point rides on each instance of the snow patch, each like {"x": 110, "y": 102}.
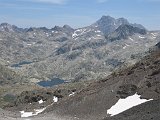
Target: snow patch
{"x": 41, "y": 101}
{"x": 75, "y": 38}
{"x": 98, "y": 31}
{"x": 74, "y": 35}
{"x": 131, "y": 39}
{"x": 127, "y": 45}
{"x": 154, "y": 34}
{"x": 99, "y": 35}
{"x": 29, "y": 44}
{"x": 55, "y": 99}
{"x": 36, "y": 111}
{"x": 141, "y": 37}
{"x": 72, "y": 94}
{"x": 89, "y": 38}
{"x": 79, "y": 32}
{"x": 154, "y": 37}
{"x": 125, "y": 104}
{"x": 56, "y": 46}
{"x": 124, "y": 47}
{"x": 26, "y": 114}
{"x": 29, "y": 114}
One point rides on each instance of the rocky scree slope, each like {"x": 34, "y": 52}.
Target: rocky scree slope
{"x": 93, "y": 102}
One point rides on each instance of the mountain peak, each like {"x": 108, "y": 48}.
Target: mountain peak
{"x": 130, "y": 29}
{"x": 122, "y": 21}
{"x": 6, "y": 27}
{"x": 108, "y": 24}
{"x": 123, "y": 31}
{"x": 5, "y": 24}
{"x": 67, "y": 27}
{"x": 57, "y": 28}
{"x": 107, "y": 18}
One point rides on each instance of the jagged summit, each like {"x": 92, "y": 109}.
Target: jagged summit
{"x": 6, "y": 27}
{"x": 122, "y": 21}
{"x": 130, "y": 29}
{"x": 108, "y": 24}
{"x": 69, "y": 28}
{"x": 57, "y": 28}
{"x": 106, "y": 18}
{"x": 123, "y": 31}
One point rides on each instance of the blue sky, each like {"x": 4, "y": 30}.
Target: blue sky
{"x": 78, "y": 13}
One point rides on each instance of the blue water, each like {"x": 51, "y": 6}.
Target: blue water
{"x": 21, "y": 63}
{"x": 51, "y": 83}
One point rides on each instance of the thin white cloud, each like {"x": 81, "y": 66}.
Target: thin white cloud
{"x": 47, "y": 1}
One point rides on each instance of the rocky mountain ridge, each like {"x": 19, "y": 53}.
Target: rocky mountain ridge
{"x": 74, "y": 54}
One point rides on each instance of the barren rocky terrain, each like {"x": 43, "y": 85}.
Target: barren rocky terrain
{"x": 87, "y": 53}
{"x": 101, "y": 64}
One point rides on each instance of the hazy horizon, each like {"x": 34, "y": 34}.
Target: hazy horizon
{"x": 78, "y": 13}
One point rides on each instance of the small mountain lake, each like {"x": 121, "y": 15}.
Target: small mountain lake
{"x": 51, "y": 83}
{"x": 21, "y": 63}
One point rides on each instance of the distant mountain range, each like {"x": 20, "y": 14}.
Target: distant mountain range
{"x": 103, "y": 63}
{"x": 87, "y": 53}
